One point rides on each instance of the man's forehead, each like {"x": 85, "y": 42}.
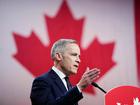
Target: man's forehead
{"x": 73, "y": 48}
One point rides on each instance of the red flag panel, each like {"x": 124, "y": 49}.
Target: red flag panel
{"x": 137, "y": 25}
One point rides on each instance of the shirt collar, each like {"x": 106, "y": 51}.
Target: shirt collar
{"x": 58, "y": 72}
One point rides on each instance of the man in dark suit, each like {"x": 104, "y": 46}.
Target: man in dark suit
{"x": 53, "y": 87}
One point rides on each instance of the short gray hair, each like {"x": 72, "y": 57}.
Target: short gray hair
{"x": 60, "y": 45}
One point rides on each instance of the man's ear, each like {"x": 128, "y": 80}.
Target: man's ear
{"x": 58, "y": 56}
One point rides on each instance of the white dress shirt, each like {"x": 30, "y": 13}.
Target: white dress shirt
{"x": 61, "y": 76}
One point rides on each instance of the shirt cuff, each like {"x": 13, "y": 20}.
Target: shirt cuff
{"x": 79, "y": 89}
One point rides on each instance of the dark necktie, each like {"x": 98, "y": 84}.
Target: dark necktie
{"x": 69, "y": 86}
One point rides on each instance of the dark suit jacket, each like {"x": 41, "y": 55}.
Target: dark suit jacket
{"x": 48, "y": 89}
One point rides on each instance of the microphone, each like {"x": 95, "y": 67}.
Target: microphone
{"x": 97, "y": 86}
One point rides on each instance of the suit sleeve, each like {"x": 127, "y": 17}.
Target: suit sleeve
{"x": 41, "y": 94}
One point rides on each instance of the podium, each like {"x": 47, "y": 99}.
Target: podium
{"x": 123, "y": 95}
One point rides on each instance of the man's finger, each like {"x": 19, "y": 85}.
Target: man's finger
{"x": 93, "y": 71}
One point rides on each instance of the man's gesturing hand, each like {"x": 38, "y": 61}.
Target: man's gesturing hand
{"x": 88, "y": 77}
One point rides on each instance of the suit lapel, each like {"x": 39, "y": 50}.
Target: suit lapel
{"x": 58, "y": 81}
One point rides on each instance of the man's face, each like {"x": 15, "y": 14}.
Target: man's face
{"x": 70, "y": 59}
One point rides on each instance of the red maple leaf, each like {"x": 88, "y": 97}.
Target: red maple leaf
{"x": 35, "y": 57}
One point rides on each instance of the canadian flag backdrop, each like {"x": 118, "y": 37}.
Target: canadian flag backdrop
{"x": 108, "y": 32}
